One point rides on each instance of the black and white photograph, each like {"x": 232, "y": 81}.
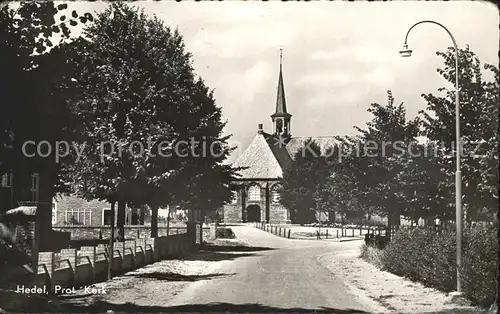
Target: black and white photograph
{"x": 249, "y": 157}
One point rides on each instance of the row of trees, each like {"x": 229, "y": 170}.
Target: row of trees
{"x": 138, "y": 127}
{"x": 395, "y": 166}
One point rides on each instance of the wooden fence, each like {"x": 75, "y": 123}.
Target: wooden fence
{"x": 72, "y": 268}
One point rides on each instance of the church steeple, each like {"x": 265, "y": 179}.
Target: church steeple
{"x": 281, "y": 118}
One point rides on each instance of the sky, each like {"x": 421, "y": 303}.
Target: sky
{"x": 338, "y": 57}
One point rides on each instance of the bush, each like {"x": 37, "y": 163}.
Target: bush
{"x": 224, "y": 233}
{"x": 480, "y": 265}
{"x": 372, "y": 255}
{"x": 429, "y": 257}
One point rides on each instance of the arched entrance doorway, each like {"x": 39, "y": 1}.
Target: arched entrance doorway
{"x": 253, "y": 213}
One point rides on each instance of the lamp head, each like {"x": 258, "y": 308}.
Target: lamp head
{"x": 405, "y": 52}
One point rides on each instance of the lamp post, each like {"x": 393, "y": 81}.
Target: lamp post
{"x": 458, "y": 175}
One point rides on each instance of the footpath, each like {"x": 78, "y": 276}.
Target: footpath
{"x": 393, "y": 293}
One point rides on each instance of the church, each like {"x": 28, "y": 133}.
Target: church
{"x": 256, "y": 197}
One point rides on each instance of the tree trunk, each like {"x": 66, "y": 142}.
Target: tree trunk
{"x": 331, "y": 216}
{"x": 111, "y": 241}
{"x": 191, "y": 225}
{"x": 134, "y": 215}
{"x": 142, "y": 215}
{"x": 390, "y": 221}
{"x": 120, "y": 221}
{"x": 168, "y": 220}
{"x": 342, "y": 222}
{"x": 201, "y": 226}
{"x": 154, "y": 221}
{"x": 45, "y": 197}
{"x": 397, "y": 219}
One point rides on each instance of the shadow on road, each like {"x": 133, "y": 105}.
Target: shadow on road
{"x": 177, "y": 277}
{"x": 103, "y": 307}
{"x": 214, "y": 256}
{"x": 213, "y": 253}
{"x": 235, "y": 248}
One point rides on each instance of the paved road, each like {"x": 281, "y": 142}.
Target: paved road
{"x": 281, "y": 275}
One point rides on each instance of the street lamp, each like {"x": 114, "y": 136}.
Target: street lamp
{"x": 458, "y": 175}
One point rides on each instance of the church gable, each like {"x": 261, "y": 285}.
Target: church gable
{"x": 260, "y": 160}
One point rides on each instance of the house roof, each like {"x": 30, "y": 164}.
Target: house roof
{"x": 24, "y": 210}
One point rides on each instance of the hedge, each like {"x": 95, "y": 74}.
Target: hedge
{"x": 224, "y": 233}
{"x": 429, "y": 257}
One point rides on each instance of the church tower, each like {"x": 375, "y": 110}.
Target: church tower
{"x": 281, "y": 118}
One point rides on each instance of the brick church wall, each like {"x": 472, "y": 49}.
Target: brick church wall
{"x": 232, "y": 213}
{"x": 278, "y": 214}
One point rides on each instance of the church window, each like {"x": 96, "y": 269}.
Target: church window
{"x": 234, "y": 198}
{"x": 54, "y": 212}
{"x": 275, "y": 196}
{"x": 254, "y": 193}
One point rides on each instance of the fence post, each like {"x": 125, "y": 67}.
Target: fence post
{"x": 94, "y": 259}
{"x": 71, "y": 256}
{"x": 134, "y": 254}
{"x": 90, "y": 252}
{"x": 353, "y": 232}
{"x": 337, "y": 233}
{"x": 47, "y": 259}
{"x": 289, "y": 230}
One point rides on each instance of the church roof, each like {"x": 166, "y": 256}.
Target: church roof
{"x": 297, "y": 143}
{"x": 266, "y": 157}
{"x": 260, "y": 160}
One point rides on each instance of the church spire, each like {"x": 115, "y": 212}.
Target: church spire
{"x": 281, "y": 118}
{"x": 280, "y": 97}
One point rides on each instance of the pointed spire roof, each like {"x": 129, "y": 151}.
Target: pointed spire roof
{"x": 280, "y": 97}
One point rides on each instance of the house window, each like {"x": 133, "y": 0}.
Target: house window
{"x": 6, "y": 180}
{"x": 234, "y": 198}
{"x": 254, "y": 193}
{"x": 106, "y": 216}
{"x": 78, "y": 216}
{"x": 54, "y": 212}
{"x": 35, "y": 180}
